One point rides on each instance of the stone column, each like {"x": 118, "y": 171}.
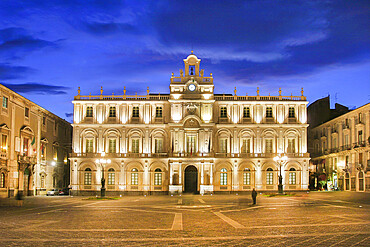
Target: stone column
{"x": 180, "y": 173}
{"x": 258, "y": 175}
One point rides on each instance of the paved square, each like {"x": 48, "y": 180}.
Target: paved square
{"x": 317, "y": 218}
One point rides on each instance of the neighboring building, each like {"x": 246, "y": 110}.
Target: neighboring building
{"x": 34, "y": 147}
{"x": 190, "y": 140}
{"x": 340, "y": 150}
{"x": 319, "y": 112}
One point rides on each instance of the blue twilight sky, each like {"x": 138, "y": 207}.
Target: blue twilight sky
{"x": 49, "y": 48}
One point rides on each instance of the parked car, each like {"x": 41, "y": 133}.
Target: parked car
{"x": 64, "y": 191}
{"x": 52, "y": 192}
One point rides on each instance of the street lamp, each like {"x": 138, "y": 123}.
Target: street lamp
{"x": 280, "y": 161}
{"x": 102, "y": 162}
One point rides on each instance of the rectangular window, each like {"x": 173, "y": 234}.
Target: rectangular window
{"x": 112, "y": 146}
{"x": 246, "y": 147}
{"x": 25, "y": 146}
{"x": 89, "y": 111}
{"x": 43, "y": 120}
{"x": 268, "y": 146}
{"x": 347, "y": 123}
{"x": 291, "y": 146}
{"x": 87, "y": 178}
{"x": 360, "y": 117}
{"x": 42, "y": 181}
{"x": 5, "y": 102}
{"x": 334, "y": 144}
{"x": 346, "y": 140}
{"x": 268, "y": 111}
{"x": 111, "y": 178}
{"x": 112, "y": 111}
{"x": 27, "y": 112}
{"x": 89, "y": 145}
{"x": 292, "y": 178}
{"x": 291, "y": 112}
{"x": 43, "y": 151}
{"x": 157, "y": 178}
{"x": 134, "y": 178}
{"x": 4, "y": 143}
{"x": 158, "y": 145}
{"x": 360, "y": 136}
{"x": 269, "y": 178}
{"x": 223, "y": 145}
{"x": 158, "y": 111}
{"x": 55, "y": 153}
{"x": 191, "y": 144}
{"x": 246, "y": 112}
{"x": 223, "y": 112}
{"x": 135, "y": 146}
{"x": 247, "y": 178}
{"x": 135, "y": 111}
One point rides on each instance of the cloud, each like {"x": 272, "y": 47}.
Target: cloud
{"x": 100, "y": 28}
{"x": 8, "y": 71}
{"x": 16, "y": 42}
{"x": 37, "y": 88}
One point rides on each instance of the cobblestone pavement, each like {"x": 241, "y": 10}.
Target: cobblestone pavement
{"x": 317, "y": 218}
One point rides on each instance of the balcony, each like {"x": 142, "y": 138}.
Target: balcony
{"x": 27, "y": 159}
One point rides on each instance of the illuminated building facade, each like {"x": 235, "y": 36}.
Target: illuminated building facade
{"x": 34, "y": 147}
{"x": 190, "y": 140}
{"x": 340, "y": 151}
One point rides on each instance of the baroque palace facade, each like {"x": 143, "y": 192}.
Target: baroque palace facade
{"x": 190, "y": 140}
{"x": 340, "y": 151}
{"x": 35, "y": 145}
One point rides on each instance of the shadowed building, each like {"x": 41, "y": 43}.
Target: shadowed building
{"x": 35, "y": 145}
{"x": 190, "y": 140}
{"x": 340, "y": 150}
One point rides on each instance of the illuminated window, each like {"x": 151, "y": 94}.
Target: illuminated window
{"x": 223, "y": 177}
{"x": 55, "y": 153}
{"x": 112, "y": 146}
{"x": 43, "y": 151}
{"x": 89, "y": 111}
{"x": 112, "y": 111}
{"x": 269, "y": 176}
{"x": 134, "y": 177}
{"x": 291, "y": 112}
{"x": 158, "y": 111}
{"x": 111, "y": 176}
{"x": 87, "y": 176}
{"x": 42, "y": 181}
{"x": 247, "y": 176}
{"x": 292, "y": 176}
{"x": 268, "y": 111}
{"x": 360, "y": 137}
{"x": 25, "y": 146}
{"x": 2, "y": 180}
{"x": 223, "y": 112}
{"x": 158, "y": 145}
{"x": 158, "y": 177}
{"x": 223, "y": 145}
{"x": 4, "y": 143}
{"x": 135, "y": 111}
{"x": 135, "y": 145}
{"x": 89, "y": 145}
{"x": 246, "y": 112}
{"x": 27, "y": 112}
{"x": 191, "y": 144}
{"x": 5, "y": 102}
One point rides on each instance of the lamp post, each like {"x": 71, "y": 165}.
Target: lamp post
{"x": 102, "y": 162}
{"x": 280, "y": 161}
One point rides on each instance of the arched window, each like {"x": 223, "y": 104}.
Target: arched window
{"x": 347, "y": 182}
{"x": 134, "y": 177}
{"x": 2, "y": 180}
{"x": 292, "y": 176}
{"x": 269, "y": 176}
{"x": 247, "y": 176}
{"x": 111, "y": 176}
{"x": 87, "y": 176}
{"x": 223, "y": 178}
{"x": 42, "y": 179}
{"x": 158, "y": 177}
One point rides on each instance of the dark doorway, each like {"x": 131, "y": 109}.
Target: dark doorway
{"x": 191, "y": 179}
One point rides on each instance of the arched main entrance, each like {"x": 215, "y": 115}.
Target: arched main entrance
{"x": 191, "y": 179}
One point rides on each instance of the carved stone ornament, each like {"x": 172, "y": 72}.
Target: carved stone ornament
{"x": 191, "y": 109}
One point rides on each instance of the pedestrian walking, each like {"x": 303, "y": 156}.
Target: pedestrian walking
{"x": 254, "y": 196}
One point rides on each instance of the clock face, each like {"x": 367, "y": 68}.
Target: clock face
{"x": 191, "y": 87}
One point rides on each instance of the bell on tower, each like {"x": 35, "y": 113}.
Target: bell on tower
{"x": 192, "y": 65}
